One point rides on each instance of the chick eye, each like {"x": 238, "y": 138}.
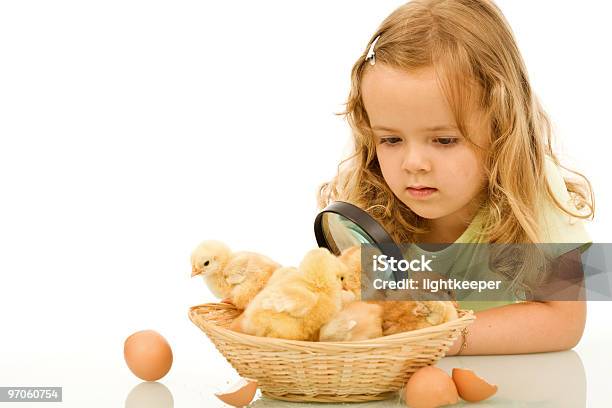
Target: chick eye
{"x": 206, "y": 263}
{"x": 342, "y": 278}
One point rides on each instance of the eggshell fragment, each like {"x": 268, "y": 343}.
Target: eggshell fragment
{"x": 430, "y": 387}
{"x": 471, "y": 387}
{"x": 148, "y": 355}
{"x": 239, "y": 394}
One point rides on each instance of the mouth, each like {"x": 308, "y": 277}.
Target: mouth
{"x": 421, "y": 191}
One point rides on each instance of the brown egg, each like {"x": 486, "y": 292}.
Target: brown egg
{"x": 471, "y": 387}
{"x": 430, "y": 387}
{"x": 148, "y": 355}
{"x": 239, "y": 394}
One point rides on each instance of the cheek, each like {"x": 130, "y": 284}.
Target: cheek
{"x": 390, "y": 167}
{"x": 464, "y": 174}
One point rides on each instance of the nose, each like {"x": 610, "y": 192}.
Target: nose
{"x": 416, "y": 159}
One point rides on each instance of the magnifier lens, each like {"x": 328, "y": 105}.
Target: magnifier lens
{"x": 342, "y": 233}
{"x": 342, "y": 225}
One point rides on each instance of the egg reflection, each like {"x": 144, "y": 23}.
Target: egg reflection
{"x": 149, "y": 395}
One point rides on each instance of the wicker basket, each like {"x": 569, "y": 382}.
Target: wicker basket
{"x": 354, "y": 371}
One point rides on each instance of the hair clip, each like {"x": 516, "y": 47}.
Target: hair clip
{"x": 371, "y": 54}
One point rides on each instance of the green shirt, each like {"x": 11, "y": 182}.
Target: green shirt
{"x": 465, "y": 262}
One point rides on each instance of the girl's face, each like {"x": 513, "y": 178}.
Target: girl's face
{"x": 424, "y": 159}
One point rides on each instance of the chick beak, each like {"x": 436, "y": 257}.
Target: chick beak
{"x": 194, "y": 271}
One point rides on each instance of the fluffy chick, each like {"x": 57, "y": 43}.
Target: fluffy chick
{"x": 297, "y": 302}
{"x": 405, "y": 315}
{"x": 237, "y": 276}
{"x": 402, "y": 313}
{"x": 356, "y": 321}
{"x": 236, "y": 324}
{"x": 354, "y": 281}
{"x": 398, "y": 314}
{"x": 351, "y": 281}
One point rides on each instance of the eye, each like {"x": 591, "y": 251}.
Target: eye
{"x": 390, "y": 140}
{"x": 446, "y": 141}
{"x": 342, "y": 278}
{"x": 206, "y": 263}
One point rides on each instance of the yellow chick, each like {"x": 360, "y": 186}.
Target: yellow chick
{"x": 297, "y": 302}
{"x": 235, "y": 276}
{"x": 405, "y": 315}
{"x": 399, "y": 314}
{"x": 356, "y": 321}
{"x": 351, "y": 257}
{"x": 352, "y": 281}
{"x": 236, "y": 324}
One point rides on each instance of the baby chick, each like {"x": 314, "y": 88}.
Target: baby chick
{"x": 236, "y": 276}
{"x": 398, "y": 313}
{"x": 297, "y": 302}
{"x": 406, "y": 315}
{"x": 356, "y": 321}
{"x": 351, "y": 280}
{"x": 236, "y": 324}
{"x": 354, "y": 281}
{"x": 404, "y": 311}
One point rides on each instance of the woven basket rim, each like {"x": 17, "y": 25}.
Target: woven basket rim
{"x": 466, "y": 315}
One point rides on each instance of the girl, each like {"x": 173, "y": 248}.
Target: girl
{"x": 451, "y": 145}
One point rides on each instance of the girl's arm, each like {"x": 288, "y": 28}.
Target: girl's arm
{"x": 532, "y": 327}
{"x": 528, "y": 327}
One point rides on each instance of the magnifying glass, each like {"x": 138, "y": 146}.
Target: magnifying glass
{"x": 342, "y": 225}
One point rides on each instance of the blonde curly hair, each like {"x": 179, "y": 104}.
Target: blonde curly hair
{"x": 466, "y": 42}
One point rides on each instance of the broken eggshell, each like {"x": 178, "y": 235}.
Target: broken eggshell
{"x": 239, "y": 394}
{"x": 471, "y": 387}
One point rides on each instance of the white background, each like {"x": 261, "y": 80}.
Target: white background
{"x": 132, "y": 130}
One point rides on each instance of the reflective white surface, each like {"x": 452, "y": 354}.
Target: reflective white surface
{"x": 97, "y": 376}
{"x": 538, "y": 380}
